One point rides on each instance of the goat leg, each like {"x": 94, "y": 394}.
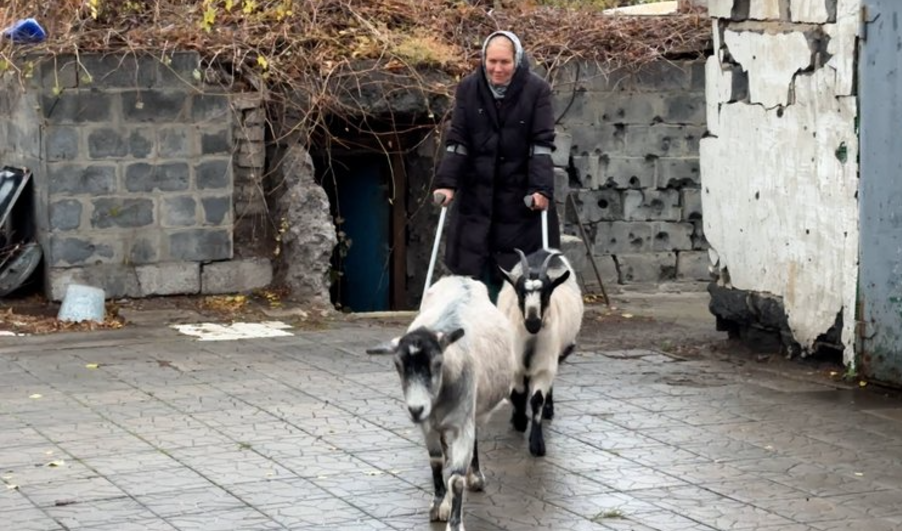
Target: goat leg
{"x": 437, "y": 461}
{"x": 475, "y": 477}
{"x": 536, "y": 438}
{"x": 548, "y": 409}
{"x": 456, "y": 487}
{"x": 461, "y": 455}
{"x": 518, "y": 401}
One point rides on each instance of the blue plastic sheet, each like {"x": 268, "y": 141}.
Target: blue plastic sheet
{"x": 25, "y": 31}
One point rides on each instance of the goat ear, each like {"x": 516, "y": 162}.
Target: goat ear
{"x": 560, "y": 280}
{"x": 447, "y": 339}
{"x": 389, "y": 347}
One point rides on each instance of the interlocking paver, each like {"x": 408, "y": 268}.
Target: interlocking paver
{"x": 72, "y": 491}
{"x": 277, "y": 492}
{"x": 154, "y": 524}
{"x": 159, "y": 480}
{"x": 112, "y": 464}
{"x": 314, "y": 513}
{"x": 90, "y": 515}
{"x": 11, "y": 499}
{"x": 869, "y": 524}
{"x": 29, "y": 519}
{"x": 307, "y": 432}
{"x": 187, "y": 501}
{"x": 245, "y": 519}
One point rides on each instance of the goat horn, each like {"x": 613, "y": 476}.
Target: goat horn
{"x": 543, "y": 272}
{"x": 524, "y": 263}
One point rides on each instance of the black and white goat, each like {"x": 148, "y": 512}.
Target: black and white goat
{"x": 545, "y": 305}
{"x": 456, "y": 363}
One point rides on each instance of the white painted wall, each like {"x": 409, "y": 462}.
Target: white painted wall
{"x": 780, "y": 208}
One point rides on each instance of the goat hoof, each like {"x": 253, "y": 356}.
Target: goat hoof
{"x": 440, "y": 512}
{"x": 520, "y": 422}
{"x": 476, "y": 481}
{"x": 537, "y": 449}
{"x": 536, "y": 443}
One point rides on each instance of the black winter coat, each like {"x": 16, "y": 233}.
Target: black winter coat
{"x": 488, "y": 216}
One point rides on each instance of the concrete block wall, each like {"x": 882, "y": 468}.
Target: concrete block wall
{"x": 20, "y": 131}
{"x": 628, "y": 152}
{"x": 134, "y": 173}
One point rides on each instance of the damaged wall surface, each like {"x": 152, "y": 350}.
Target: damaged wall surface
{"x": 627, "y": 150}
{"x": 779, "y": 164}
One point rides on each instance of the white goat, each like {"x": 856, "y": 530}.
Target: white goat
{"x": 545, "y": 305}
{"x": 456, "y": 363}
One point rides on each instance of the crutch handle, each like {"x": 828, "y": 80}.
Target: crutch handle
{"x": 439, "y": 198}
{"x": 529, "y": 201}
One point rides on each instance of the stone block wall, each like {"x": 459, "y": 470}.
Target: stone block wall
{"x": 133, "y": 164}
{"x": 252, "y": 230}
{"x": 628, "y": 152}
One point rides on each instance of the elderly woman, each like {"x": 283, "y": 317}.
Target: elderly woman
{"x": 498, "y": 151}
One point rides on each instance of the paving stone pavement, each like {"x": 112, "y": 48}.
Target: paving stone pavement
{"x": 307, "y": 432}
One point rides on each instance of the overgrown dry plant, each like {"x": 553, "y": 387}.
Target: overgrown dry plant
{"x": 299, "y": 43}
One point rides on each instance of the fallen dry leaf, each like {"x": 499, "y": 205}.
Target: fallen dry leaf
{"x": 44, "y": 324}
{"x": 225, "y": 303}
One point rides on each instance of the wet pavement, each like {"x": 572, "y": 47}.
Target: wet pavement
{"x": 164, "y": 432}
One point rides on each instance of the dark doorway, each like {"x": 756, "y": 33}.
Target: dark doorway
{"x": 358, "y": 190}
{"x": 377, "y": 175}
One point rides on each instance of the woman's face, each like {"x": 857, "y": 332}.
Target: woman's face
{"x": 499, "y": 60}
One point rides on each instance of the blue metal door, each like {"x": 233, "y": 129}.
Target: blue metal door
{"x": 360, "y": 202}
{"x": 880, "y": 193}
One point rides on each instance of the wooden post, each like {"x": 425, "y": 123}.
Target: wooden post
{"x": 398, "y": 231}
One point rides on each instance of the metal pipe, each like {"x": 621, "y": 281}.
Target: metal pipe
{"x": 582, "y": 232}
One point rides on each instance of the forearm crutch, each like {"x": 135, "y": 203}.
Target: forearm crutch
{"x": 438, "y": 199}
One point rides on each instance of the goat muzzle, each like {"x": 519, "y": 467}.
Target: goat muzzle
{"x": 533, "y": 325}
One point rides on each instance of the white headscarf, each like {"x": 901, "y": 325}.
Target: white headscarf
{"x": 499, "y": 90}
